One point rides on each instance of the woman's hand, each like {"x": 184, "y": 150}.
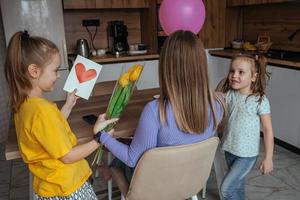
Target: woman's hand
{"x": 69, "y": 104}
{"x": 266, "y": 166}
{"x": 101, "y": 123}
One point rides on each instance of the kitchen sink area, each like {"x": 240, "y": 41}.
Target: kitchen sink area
{"x": 284, "y": 55}
{"x": 286, "y": 59}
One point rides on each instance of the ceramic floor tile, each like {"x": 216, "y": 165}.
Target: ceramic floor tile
{"x": 290, "y": 175}
{"x": 211, "y": 194}
{"x": 4, "y": 191}
{"x": 288, "y": 194}
{"x": 5, "y": 170}
{"x": 263, "y": 186}
{"x": 20, "y": 174}
{"x": 19, "y": 193}
{"x": 2, "y": 151}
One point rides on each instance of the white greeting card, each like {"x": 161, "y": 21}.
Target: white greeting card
{"x": 83, "y": 77}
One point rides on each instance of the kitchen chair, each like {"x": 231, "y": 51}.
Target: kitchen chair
{"x": 169, "y": 173}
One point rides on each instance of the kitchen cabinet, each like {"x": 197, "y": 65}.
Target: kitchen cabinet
{"x": 111, "y": 72}
{"x": 136, "y": 3}
{"x": 217, "y": 68}
{"x": 99, "y": 4}
{"x": 283, "y": 93}
{"x": 253, "y": 2}
{"x": 148, "y": 79}
{"x": 79, "y": 4}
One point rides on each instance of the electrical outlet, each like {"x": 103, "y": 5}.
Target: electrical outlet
{"x": 90, "y": 22}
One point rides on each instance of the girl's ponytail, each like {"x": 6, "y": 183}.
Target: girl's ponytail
{"x": 262, "y": 76}
{"x": 22, "y": 51}
{"x": 15, "y": 73}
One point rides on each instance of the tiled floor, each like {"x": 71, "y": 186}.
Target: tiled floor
{"x": 282, "y": 184}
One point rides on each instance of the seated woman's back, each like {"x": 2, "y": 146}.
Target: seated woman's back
{"x": 170, "y": 135}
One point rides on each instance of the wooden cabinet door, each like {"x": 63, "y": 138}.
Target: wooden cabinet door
{"x": 117, "y": 3}
{"x": 253, "y": 2}
{"x": 136, "y": 3}
{"x": 283, "y": 94}
{"x": 79, "y": 4}
{"x": 103, "y": 4}
{"x": 234, "y": 2}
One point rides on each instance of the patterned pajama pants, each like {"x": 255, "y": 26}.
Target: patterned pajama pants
{"x": 85, "y": 192}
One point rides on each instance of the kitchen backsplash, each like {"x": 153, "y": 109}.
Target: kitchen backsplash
{"x": 74, "y": 29}
{"x": 277, "y": 20}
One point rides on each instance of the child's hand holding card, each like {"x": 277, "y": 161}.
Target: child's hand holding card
{"x": 83, "y": 77}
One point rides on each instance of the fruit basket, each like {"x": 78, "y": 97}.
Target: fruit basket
{"x": 263, "y": 46}
{"x": 263, "y": 43}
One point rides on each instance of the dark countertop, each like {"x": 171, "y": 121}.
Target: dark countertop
{"x": 228, "y": 53}
{"x": 109, "y": 58}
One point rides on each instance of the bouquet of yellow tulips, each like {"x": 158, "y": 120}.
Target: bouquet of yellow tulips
{"x": 119, "y": 99}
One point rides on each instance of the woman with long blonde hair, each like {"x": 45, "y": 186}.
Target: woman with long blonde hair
{"x": 186, "y": 111}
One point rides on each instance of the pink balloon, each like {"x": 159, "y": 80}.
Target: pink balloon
{"x": 181, "y": 15}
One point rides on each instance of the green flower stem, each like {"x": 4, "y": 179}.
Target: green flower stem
{"x": 128, "y": 95}
{"x": 113, "y": 101}
{"x": 118, "y": 106}
{"x": 98, "y": 156}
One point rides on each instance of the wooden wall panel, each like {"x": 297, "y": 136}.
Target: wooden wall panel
{"x": 73, "y": 4}
{"x": 213, "y": 31}
{"x": 278, "y": 20}
{"x": 149, "y": 20}
{"x": 253, "y": 2}
{"x": 234, "y": 25}
{"x": 74, "y": 29}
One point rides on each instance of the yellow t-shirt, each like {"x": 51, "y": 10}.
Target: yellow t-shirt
{"x": 44, "y": 136}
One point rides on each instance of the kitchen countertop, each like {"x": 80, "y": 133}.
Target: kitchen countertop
{"x": 228, "y": 53}
{"x": 109, "y": 58}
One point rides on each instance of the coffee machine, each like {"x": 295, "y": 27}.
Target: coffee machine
{"x": 117, "y": 37}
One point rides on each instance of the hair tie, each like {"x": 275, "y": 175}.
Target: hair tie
{"x": 25, "y": 35}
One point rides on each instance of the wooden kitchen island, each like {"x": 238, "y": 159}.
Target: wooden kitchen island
{"x": 95, "y": 105}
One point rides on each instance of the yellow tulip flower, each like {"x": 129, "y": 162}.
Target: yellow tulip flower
{"x": 135, "y": 72}
{"x": 124, "y": 79}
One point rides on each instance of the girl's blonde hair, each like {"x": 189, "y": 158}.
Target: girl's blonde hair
{"x": 22, "y": 51}
{"x": 184, "y": 82}
{"x": 259, "y": 66}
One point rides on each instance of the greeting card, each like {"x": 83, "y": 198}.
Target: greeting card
{"x": 83, "y": 77}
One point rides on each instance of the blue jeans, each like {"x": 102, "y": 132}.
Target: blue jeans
{"x": 233, "y": 184}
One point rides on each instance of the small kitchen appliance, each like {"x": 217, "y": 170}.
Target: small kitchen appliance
{"x": 117, "y": 37}
{"x": 83, "y": 48}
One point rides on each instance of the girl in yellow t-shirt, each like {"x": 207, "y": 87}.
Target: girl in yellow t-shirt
{"x": 46, "y": 142}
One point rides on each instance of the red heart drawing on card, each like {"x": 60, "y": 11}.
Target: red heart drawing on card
{"x": 84, "y": 75}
